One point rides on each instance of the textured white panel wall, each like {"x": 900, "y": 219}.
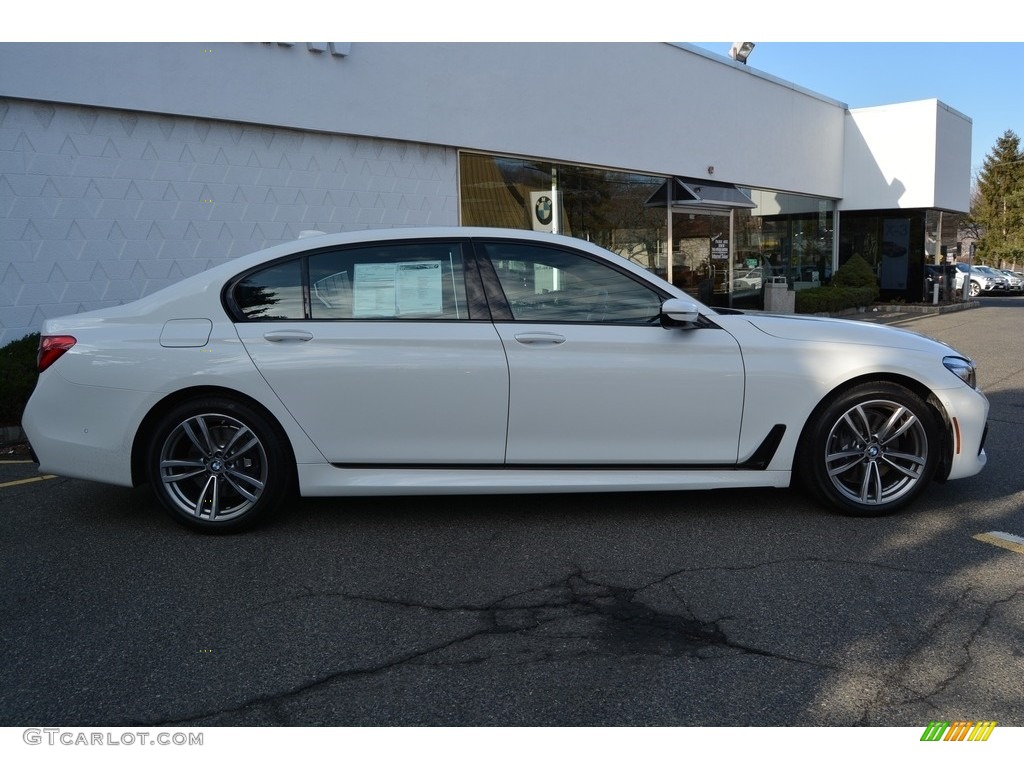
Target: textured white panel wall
{"x": 648, "y": 107}
{"x": 99, "y": 206}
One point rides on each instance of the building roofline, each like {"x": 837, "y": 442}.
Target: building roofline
{"x": 689, "y": 48}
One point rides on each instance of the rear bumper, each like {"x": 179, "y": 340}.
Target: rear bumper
{"x": 84, "y": 431}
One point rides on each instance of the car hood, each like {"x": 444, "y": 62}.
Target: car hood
{"x": 834, "y": 331}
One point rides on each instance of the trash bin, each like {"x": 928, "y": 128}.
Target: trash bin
{"x": 778, "y": 297}
{"x": 949, "y": 282}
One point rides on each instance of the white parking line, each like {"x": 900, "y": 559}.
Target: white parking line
{"x": 1002, "y": 539}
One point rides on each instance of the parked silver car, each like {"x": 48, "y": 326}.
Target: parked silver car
{"x": 982, "y": 281}
{"x": 1000, "y": 282}
{"x": 1014, "y": 281}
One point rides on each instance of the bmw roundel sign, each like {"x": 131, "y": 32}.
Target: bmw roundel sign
{"x": 542, "y": 211}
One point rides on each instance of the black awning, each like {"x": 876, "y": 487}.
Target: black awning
{"x": 700, "y": 193}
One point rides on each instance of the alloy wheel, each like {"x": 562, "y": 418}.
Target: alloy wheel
{"x": 213, "y": 467}
{"x": 876, "y": 452}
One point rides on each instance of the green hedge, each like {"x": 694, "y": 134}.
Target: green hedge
{"x": 856, "y": 273}
{"x": 833, "y": 298}
{"x": 17, "y": 377}
{"x": 854, "y": 285}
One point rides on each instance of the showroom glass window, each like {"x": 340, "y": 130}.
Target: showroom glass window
{"x": 606, "y": 207}
{"x": 549, "y": 285}
{"x": 386, "y": 281}
{"x": 785, "y": 236}
{"x": 895, "y": 244}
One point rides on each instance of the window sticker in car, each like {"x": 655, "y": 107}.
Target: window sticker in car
{"x": 419, "y": 288}
{"x": 395, "y": 290}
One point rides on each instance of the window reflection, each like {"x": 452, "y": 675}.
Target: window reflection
{"x": 601, "y": 206}
{"x": 274, "y": 293}
{"x": 553, "y": 286}
{"x": 785, "y": 237}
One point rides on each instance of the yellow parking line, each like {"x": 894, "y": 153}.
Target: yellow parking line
{"x": 16, "y": 461}
{"x": 1001, "y": 539}
{"x": 27, "y": 480}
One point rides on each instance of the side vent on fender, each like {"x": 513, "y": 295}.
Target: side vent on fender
{"x": 762, "y": 457}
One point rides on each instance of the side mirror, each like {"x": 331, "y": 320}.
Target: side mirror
{"x": 679, "y": 313}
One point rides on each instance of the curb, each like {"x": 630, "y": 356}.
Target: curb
{"x": 897, "y": 313}
{"x": 11, "y": 435}
{"x": 928, "y": 309}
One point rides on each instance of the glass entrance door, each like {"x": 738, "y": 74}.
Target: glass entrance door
{"x": 702, "y": 255}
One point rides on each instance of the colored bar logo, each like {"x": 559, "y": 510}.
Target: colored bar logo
{"x": 958, "y": 730}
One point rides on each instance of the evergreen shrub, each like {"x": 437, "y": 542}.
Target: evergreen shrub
{"x": 17, "y": 377}
{"x": 854, "y": 285}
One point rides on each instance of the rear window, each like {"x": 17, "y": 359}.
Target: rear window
{"x": 384, "y": 281}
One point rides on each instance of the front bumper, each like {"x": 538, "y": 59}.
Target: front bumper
{"x": 967, "y": 427}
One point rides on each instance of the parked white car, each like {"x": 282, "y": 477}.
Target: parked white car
{"x": 459, "y": 360}
{"x": 1014, "y": 282}
{"x": 982, "y": 281}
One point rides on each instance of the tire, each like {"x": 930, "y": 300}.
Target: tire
{"x": 218, "y": 465}
{"x": 975, "y": 289}
{"x": 870, "y": 451}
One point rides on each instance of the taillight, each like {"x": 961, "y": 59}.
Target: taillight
{"x": 52, "y": 347}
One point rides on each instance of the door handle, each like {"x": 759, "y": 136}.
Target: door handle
{"x": 539, "y": 337}
{"x": 288, "y": 335}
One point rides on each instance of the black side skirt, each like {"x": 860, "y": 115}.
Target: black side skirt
{"x": 759, "y": 460}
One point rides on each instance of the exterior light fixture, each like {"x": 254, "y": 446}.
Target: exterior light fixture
{"x": 740, "y": 51}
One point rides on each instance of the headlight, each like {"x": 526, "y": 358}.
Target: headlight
{"x": 963, "y": 368}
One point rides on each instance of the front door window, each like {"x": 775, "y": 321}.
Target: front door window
{"x": 554, "y": 286}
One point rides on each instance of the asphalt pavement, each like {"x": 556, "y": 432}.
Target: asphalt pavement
{"x": 699, "y": 609}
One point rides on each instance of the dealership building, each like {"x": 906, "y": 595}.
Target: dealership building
{"x": 125, "y": 167}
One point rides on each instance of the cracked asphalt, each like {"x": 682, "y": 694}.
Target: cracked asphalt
{"x": 698, "y": 609}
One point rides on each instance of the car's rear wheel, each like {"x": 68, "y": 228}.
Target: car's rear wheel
{"x": 218, "y": 465}
{"x": 872, "y": 450}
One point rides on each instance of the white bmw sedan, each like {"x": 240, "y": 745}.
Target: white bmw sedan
{"x": 459, "y": 360}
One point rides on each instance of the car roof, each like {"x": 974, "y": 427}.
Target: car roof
{"x": 205, "y": 286}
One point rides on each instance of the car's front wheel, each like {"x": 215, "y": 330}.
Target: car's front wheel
{"x": 872, "y": 450}
{"x": 218, "y": 465}
{"x": 975, "y": 288}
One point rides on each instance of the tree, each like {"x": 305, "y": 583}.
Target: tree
{"x": 998, "y": 207}
{"x": 969, "y": 226}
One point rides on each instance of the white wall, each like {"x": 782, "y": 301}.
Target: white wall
{"x": 911, "y": 155}
{"x": 651, "y": 107}
{"x": 952, "y": 160}
{"x": 125, "y": 166}
{"x": 99, "y": 206}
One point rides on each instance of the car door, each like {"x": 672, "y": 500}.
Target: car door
{"x": 594, "y": 377}
{"x": 379, "y": 353}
